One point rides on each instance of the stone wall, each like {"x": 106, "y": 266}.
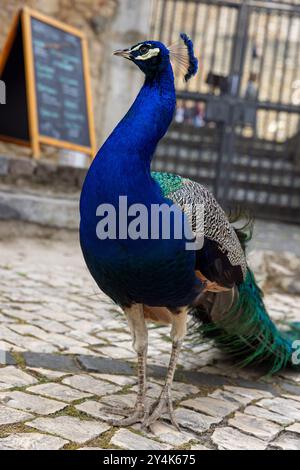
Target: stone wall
{"x": 104, "y": 23}
{"x": 44, "y": 175}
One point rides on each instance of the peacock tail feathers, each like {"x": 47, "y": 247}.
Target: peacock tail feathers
{"x": 245, "y": 232}
{"x": 293, "y": 334}
{"x": 246, "y": 332}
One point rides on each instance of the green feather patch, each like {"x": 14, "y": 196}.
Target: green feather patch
{"x": 168, "y": 182}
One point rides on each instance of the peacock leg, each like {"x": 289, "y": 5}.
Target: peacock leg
{"x": 164, "y": 403}
{"x": 138, "y": 328}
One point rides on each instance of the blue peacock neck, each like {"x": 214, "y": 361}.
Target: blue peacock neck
{"x": 146, "y": 122}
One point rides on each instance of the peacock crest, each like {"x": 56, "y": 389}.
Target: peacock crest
{"x": 182, "y": 55}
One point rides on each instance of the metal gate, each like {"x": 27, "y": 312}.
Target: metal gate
{"x": 237, "y": 126}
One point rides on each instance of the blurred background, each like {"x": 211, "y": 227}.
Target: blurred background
{"x": 236, "y": 127}
{"x": 237, "y": 124}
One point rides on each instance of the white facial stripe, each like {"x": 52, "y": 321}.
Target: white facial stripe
{"x": 150, "y": 53}
{"x": 136, "y": 48}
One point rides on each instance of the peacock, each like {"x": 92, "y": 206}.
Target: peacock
{"x": 198, "y": 269}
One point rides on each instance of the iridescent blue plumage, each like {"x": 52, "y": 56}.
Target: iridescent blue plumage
{"x": 153, "y": 272}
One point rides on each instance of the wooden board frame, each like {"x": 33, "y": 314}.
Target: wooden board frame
{"x": 37, "y": 139}
{"x": 3, "y": 59}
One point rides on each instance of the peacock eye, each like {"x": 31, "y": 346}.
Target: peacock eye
{"x": 144, "y": 49}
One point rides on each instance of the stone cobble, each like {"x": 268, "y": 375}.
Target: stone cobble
{"x": 66, "y": 356}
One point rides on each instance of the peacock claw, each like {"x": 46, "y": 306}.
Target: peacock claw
{"x": 132, "y": 416}
{"x": 164, "y": 403}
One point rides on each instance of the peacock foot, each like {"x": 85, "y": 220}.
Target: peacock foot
{"x": 132, "y": 415}
{"x": 162, "y": 405}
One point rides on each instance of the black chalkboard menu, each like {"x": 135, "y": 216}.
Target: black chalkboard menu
{"x": 60, "y": 87}
{"x": 52, "y": 65}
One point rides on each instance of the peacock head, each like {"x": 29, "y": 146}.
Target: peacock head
{"x": 152, "y": 57}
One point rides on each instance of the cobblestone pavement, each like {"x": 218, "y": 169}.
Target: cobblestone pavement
{"x": 66, "y": 355}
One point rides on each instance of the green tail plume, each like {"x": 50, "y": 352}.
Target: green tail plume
{"x": 246, "y": 331}
{"x": 245, "y": 232}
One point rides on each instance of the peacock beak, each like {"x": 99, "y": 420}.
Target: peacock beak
{"x": 123, "y": 53}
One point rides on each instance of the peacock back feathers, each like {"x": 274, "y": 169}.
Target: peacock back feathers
{"x": 222, "y": 258}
